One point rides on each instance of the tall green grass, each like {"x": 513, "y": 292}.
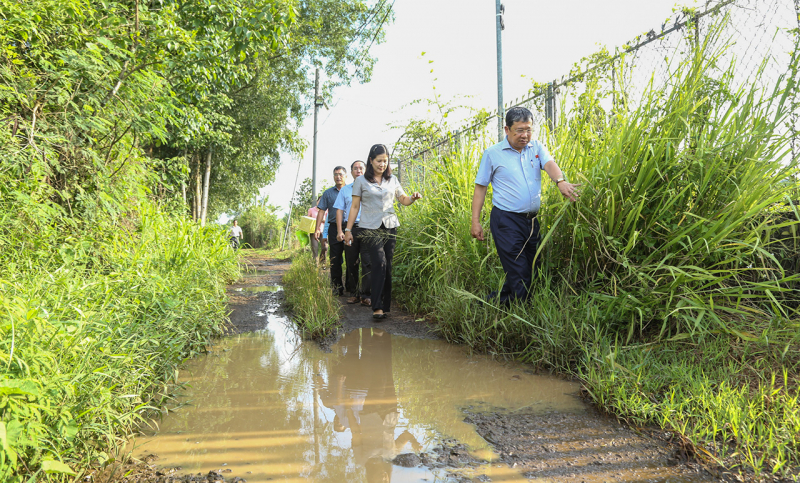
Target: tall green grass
{"x": 310, "y": 297}
{"x": 664, "y": 287}
{"x": 94, "y": 327}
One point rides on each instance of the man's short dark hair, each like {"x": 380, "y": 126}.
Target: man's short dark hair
{"x": 357, "y": 161}
{"x": 518, "y": 114}
{"x": 338, "y": 168}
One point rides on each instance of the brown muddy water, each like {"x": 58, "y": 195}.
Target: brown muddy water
{"x": 270, "y": 406}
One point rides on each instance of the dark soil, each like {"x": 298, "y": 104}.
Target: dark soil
{"x": 356, "y": 316}
{"x": 245, "y": 305}
{"x": 587, "y": 447}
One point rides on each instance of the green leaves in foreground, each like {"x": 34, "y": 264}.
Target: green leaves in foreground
{"x": 91, "y": 335}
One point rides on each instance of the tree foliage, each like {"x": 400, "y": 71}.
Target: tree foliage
{"x": 106, "y": 105}
{"x": 96, "y": 94}
{"x": 264, "y": 112}
{"x": 261, "y": 226}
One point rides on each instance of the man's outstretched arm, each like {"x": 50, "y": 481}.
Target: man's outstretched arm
{"x": 478, "y": 198}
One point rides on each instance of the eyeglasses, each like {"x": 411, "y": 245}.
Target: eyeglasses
{"x": 523, "y": 131}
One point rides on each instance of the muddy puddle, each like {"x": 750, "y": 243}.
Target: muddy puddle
{"x": 259, "y": 289}
{"x": 269, "y": 406}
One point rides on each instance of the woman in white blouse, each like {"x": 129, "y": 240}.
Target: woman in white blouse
{"x": 375, "y": 193}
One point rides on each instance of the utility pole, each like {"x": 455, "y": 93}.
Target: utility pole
{"x": 316, "y": 114}
{"x": 500, "y": 26}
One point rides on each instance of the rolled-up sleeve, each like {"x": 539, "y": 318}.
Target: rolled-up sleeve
{"x": 484, "y": 176}
{"x": 543, "y": 155}
{"x": 358, "y": 186}
{"x": 399, "y": 192}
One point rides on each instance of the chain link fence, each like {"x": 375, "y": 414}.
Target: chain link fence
{"x": 762, "y": 37}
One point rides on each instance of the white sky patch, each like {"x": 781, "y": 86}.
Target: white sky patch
{"x": 541, "y": 42}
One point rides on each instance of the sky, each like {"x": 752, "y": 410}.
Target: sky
{"x": 541, "y": 42}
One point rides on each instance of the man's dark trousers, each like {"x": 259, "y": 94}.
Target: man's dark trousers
{"x": 516, "y": 247}
{"x": 351, "y": 264}
{"x": 351, "y": 268}
{"x": 335, "y": 250}
{"x": 358, "y": 254}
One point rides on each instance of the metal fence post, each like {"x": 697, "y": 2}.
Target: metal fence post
{"x": 796, "y": 94}
{"x": 549, "y": 106}
{"x": 400, "y": 169}
{"x": 613, "y": 85}
{"x": 424, "y": 165}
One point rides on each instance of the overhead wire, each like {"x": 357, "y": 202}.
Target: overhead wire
{"x": 364, "y": 51}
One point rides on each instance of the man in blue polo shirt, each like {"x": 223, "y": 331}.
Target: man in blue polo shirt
{"x": 514, "y": 168}
{"x": 358, "y": 286}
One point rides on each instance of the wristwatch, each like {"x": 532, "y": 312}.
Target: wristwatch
{"x": 560, "y": 180}
{"x": 347, "y": 229}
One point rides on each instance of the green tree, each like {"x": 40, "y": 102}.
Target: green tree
{"x": 263, "y": 113}
{"x": 261, "y": 226}
{"x": 85, "y": 85}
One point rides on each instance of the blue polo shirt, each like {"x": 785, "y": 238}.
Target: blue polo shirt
{"x": 343, "y": 202}
{"x": 516, "y": 177}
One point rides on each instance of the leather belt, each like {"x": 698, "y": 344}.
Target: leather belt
{"x": 530, "y": 215}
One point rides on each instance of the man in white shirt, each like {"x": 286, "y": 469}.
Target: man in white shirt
{"x": 235, "y": 235}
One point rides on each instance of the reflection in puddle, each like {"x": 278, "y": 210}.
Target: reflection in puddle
{"x": 271, "y": 406}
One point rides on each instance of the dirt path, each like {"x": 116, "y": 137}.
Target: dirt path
{"x": 585, "y": 447}
{"x": 554, "y": 447}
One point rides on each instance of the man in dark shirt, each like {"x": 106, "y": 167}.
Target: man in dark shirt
{"x": 335, "y": 247}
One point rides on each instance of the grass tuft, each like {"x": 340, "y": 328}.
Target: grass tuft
{"x": 310, "y": 297}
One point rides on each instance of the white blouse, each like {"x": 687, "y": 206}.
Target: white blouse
{"x": 377, "y": 202}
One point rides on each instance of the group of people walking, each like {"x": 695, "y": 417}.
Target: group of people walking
{"x": 362, "y": 224}
{"x": 362, "y": 228}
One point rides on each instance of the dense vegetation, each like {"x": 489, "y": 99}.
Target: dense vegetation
{"x": 94, "y": 326}
{"x": 212, "y": 92}
{"x": 671, "y": 287}
{"x": 261, "y": 226}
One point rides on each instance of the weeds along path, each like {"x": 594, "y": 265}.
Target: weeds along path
{"x": 444, "y": 397}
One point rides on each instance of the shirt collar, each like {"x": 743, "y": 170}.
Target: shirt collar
{"x": 504, "y": 144}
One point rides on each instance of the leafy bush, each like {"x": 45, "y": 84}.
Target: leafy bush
{"x": 261, "y": 226}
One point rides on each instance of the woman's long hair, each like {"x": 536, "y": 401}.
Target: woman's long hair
{"x": 375, "y": 151}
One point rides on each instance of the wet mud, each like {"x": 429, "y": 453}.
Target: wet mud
{"x": 379, "y": 402}
{"x": 248, "y": 297}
